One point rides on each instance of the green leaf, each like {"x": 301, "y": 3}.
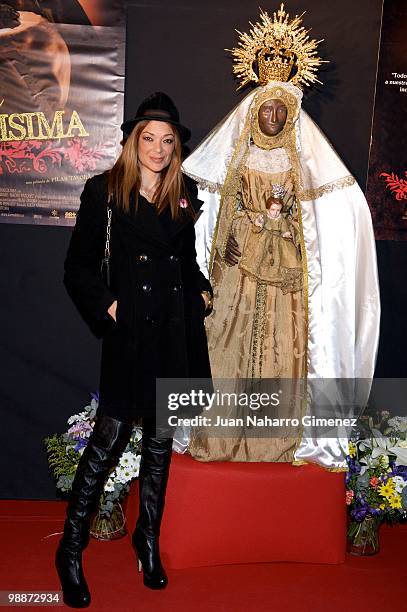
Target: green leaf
{"x": 362, "y": 483}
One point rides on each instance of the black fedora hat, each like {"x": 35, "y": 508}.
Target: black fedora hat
{"x": 157, "y": 107}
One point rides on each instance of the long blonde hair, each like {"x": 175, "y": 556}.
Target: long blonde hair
{"x": 124, "y": 178}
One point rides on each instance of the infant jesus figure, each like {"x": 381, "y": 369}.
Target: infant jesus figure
{"x": 272, "y": 253}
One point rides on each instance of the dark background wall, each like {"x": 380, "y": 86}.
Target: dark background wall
{"x": 49, "y": 360}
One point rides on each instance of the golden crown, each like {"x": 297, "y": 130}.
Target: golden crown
{"x": 281, "y": 48}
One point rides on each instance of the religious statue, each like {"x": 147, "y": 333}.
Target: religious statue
{"x": 286, "y": 238}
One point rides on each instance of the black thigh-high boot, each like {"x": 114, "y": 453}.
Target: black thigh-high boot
{"x": 154, "y": 469}
{"x": 105, "y": 446}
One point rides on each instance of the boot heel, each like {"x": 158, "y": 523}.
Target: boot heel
{"x": 139, "y": 563}
{"x": 154, "y": 468}
{"x": 154, "y": 576}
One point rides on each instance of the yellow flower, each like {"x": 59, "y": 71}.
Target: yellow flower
{"x": 352, "y": 449}
{"x": 386, "y": 490}
{"x": 395, "y": 501}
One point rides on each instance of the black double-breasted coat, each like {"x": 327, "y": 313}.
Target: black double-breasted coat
{"x": 157, "y": 282}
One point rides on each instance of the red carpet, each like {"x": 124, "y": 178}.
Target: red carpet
{"x": 26, "y": 563}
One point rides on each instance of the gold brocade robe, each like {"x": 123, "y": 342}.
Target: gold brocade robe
{"x": 257, "y": 329}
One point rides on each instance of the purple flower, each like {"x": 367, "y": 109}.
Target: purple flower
{"x": 359, "y": 513}
{"x": 80, "y": 430}
{"x": 354, "y": 466}
{"x": 400, "y": 470}
{"x": 81, "y": 443}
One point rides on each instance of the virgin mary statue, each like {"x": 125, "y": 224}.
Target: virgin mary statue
{"x": 286, "y": 238}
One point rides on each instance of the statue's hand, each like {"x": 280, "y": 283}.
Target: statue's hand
{"x": 9, "y": 17}
{"x": 232, "y": 252}
{"x": 259, "y": 221}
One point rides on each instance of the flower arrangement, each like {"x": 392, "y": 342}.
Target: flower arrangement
{"x": 65, "y": 450}
{"x": 376, "y": 483}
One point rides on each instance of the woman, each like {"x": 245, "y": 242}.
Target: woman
{"x": 151, "y": 319}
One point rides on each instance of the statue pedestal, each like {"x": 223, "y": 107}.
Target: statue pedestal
{"x": 223, "y": 513}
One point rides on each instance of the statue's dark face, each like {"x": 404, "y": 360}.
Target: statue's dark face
{"x": 272, "y": 116}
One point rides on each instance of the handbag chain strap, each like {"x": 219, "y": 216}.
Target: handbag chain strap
{"x": 109, "y": 224}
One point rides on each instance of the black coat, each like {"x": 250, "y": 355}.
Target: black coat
{"x": 157, "y": 283}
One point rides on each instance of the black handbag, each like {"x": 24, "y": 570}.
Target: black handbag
{"x": 105, "y": 265}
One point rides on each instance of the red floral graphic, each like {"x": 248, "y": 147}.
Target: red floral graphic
{"x": 398, "y": 186}
{"x": 27, "y": 156}
{"x": 80, "y": 156}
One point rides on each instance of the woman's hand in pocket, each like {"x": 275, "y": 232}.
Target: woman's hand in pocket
{"x": 112, "y": 310}
{"x": 207, "y": 298}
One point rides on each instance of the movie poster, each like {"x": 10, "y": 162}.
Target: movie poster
{"x": 61, "y": 103}
{"x": 387, "y": 176}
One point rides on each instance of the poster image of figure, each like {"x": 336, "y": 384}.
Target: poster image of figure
{"x": 61, "y": 101}
{"x": 387, "y": 176}
{"x": 79, "y": 12}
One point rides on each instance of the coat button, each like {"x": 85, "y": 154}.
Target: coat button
{"x": 143, "y": 257}
{"x": 173, "y": 258}
{"x": 146, "y": 287}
